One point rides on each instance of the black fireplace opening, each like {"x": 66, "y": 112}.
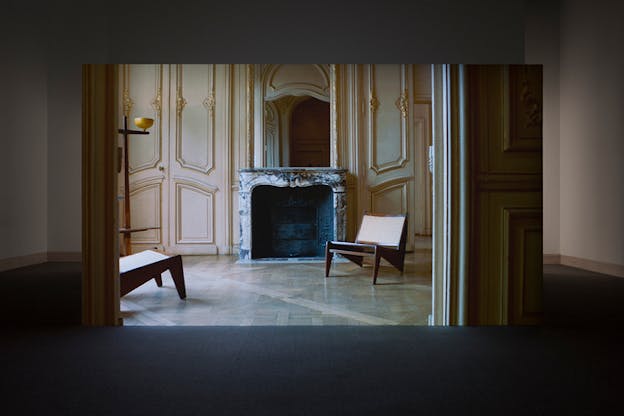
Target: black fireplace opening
{"x": 291, "y": 222}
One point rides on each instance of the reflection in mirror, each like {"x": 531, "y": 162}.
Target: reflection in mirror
{"x": 297, "y": 132}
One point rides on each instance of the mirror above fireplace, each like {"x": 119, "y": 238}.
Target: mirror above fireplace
{"x": 293, "y": 115}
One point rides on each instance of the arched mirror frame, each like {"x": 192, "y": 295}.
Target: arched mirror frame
{"x": 258, "y": 77}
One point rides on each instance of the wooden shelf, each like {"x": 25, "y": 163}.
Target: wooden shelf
{"x": 136, "y": 230}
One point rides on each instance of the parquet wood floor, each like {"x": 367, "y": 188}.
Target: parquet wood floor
{"x": 222, "y": 291}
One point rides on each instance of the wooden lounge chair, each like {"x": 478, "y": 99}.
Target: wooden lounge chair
{"x": 380, "y": 236}
{"x": 136, "y": 269}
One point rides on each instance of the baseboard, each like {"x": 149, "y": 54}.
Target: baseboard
{"x": 593, "y": 266}
{"x": 22, "y": 261}
{"x": 552, "y": 258}
{"x": 75, "y": 256}
{"x": 37, "y": 258}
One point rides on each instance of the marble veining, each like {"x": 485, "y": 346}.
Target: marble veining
{"x": 249, "y": 178}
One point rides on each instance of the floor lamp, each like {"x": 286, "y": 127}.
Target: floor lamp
{"x": 127, "y": 230}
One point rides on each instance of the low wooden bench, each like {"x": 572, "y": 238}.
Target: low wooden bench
{"x": 136, "y": 269}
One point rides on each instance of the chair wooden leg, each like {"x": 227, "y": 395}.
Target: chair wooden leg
{"x": 178, "y": 275}
{"x": 376, "y": 267}
{"x": 328, "y": 259}
{"x": 158, "y": 280}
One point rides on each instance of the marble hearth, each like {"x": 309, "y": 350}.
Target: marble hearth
{"x": 309, "y": 207}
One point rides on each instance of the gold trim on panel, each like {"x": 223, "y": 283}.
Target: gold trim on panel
{"x": 194, "y": 186}
{"x": 155, "y": 104}
{"x": 403, "y": 106}
{"x": 250, "y": 115}
{"x": 383, "y": 188}
{"x": 126, "y": 100}
{"x": 334, "y": 115}
{"x": 209, "y": 104}
{"x": 273, "y": 91}
{"x": 157, "y": 239}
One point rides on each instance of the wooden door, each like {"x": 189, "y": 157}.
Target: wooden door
{"x": 199, "y": 161}
{"x": 143, "y": 92}
{"x": 504, "y": 121}
{"x": 389, "y": 138}
{"x": 179, "y": 173}
{"x": 309, "y": 140}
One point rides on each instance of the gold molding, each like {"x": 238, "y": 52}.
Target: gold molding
{"x": 179, "y": 185}
{"x": 157, "y": 102}
{"x": 126, "y": 101}
{"x": 402, "y": 104}
{"x": 156, "y": 105}
{"x": 373, "y": 103}
{"x": 250, "y": 114}
{"x": 403, "y": 101}
{"x": 157, "y": 235}
{"x": 334, "y": 149}
{"x": 209, "y": 104}
{"x": 387, "y": 187}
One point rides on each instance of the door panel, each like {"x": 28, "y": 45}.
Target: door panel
{"x": 198, "y": 107}
{"x": 142, "y": 94}
{"x": 505, "y": 136}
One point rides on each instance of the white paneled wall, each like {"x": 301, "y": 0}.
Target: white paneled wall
{"x": 183, "y": 176}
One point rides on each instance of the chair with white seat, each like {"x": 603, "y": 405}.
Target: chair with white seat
{"x": 380, "y": 236}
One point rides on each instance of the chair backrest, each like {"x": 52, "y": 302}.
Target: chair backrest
{"x": 386, "y": 230}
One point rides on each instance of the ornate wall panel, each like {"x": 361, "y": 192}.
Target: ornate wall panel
{"x": 194, "y": 213}
{"x": 195, "y": 117}
{"x": 296, "y": 79}
{"x": 390, "y": 198}
{"x": 508, "y": 147}
{"x": 388, "y": 108}
{"x": 141, "y": 96}
{"x": 525, "y": 107}
{"x": 506, "y": 185}
{"x": 423, "y": 178}
{"x": 145, "y": 211}
{"x": 523, "y": 232}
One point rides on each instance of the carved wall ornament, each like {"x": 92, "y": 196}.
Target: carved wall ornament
{"x": 180, "y": 103}
{"x": 209, "y": 103}
{"x": 157, "y": 102}
{"x": 127, "y": 102}
{"x": 373, "y": 103}
{"x": 532, "y": 105}
{"x": 402, "y": 104}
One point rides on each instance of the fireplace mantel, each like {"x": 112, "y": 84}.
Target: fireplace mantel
{"x": 289, "y": 177}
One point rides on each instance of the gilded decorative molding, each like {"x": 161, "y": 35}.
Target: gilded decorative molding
{"x": 250, "y": 115}
{"x": 183, "y": 152}
{"x": 157, "y": 102}
{"x": 373, "y": 145}
{"x": 373, "y": 103}
{"x": 209, "y": 103}
{"x": 402, "y": 104}
{"x": 180, "y": 103}
{"x": 532, "y": 105}
{"x": 127, "y": 102}
{"x": 334, "y": 149}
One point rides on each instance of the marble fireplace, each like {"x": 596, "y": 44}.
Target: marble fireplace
{"x": 290, "y": 212}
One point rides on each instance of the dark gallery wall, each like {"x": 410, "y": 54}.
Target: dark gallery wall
{"x": 592, "y": 133}
{"x": 45, "y": 46}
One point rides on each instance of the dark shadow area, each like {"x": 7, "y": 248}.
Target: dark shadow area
{"x": 42, "y": 294}
{"x": 571, "y": 365}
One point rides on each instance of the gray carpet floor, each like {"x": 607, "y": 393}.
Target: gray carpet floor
{"x": 571, "y": 365}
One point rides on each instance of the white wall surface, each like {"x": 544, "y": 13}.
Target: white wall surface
{"x": 592, "y": 131}
{"x": 23, "y": 160}
{"x": 542, "y": 47}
